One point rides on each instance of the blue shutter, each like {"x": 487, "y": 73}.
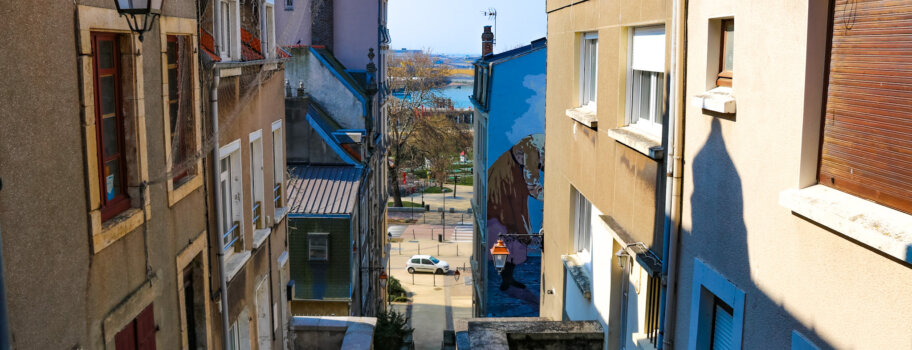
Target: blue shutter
{"x": 722, "y": 328}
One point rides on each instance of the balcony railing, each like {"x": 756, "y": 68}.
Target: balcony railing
{"x": 231, "y": 236}
{"x": 277, "y": 196}
{"x": 257, "y": 211}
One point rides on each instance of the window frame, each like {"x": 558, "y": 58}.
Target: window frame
{"x": 232, "y": 205}
{"x": 582, "y": 218}
{"x": 110, "y": 207}
{"x": 709, "y": 285}
{"x": 588, "y": 83}
{"x": 257, "y": 179}
{"x": 268, "y": 38}
{"x": 654, "y": 122}
{"x": 724, "y": 77}
{"x": 229, "y": 30}
{"x": 289, "y": 5}
{"x": 278, "y": 165}
{"x": 313, "y": 237}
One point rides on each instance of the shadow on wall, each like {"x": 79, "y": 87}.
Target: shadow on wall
{"x": 719, "y": 230}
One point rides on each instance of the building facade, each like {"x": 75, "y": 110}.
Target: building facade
{"x": 795, "y": 210}
{"x": 509, "y": 129}
{"x": 247, "y": 203}
{"x": 106, "y": 143}
{"x": 609, "y": 64}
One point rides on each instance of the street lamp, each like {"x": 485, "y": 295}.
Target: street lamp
{"x": 500, "y": 252}
{"x": 383, "y": 278}
{"x": 146, "y": 9}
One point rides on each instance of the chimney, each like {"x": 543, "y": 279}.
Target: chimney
{"x": 487, "y": 42}
{"x": 321, "y": 23}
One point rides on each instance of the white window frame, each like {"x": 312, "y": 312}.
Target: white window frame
{"x": 233, "y": 204}
{"x": 230, "y": 24}
{"x": 234, "y": 341}
{"x": 278, "y": 158}
{"x": 646, "y": 56}
{"x": 314, "y": 237}
{"x": 256, "y": 177}
{"x": 588, "y": 57}
{"x": 582, "y": 228}
{"x": 268, "y": 20}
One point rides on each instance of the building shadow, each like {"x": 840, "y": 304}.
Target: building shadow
{"x": 718, "y": 238}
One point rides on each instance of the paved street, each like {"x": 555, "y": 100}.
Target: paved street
{"x": 436, "y": 300}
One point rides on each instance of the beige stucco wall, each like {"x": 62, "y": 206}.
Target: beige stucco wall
{"x": 796, "y": 274}
{"x": 51, "y": 266}
{"x": 248, "y": 102}
{"x": 618, "y": 180}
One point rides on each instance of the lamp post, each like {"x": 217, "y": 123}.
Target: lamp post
{"x": 499, "y": 252}
{"x": 147, "y": 10}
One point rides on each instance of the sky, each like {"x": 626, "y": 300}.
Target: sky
{"x": 455, "y": 27}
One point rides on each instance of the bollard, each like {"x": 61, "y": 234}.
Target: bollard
{"x": 400, "y": 248}
{"x": 435, "y": 278}
{"x": 463, "y": 267}
{"x": 413, "y": 233}
{"x": 438, "y": 250}
{"x": 413, "y": 279}
{"x": 457, "y": 249}
{"x": 419, "y": 248}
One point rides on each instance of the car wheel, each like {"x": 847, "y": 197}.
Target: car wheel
{"x": 439, "y": 271}
{"x": 411, "y": 270}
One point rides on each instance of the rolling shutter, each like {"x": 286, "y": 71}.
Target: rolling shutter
{"x": 723, "y": 322}
{"x": 867, "y": 134}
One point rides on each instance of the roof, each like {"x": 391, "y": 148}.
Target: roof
{"x": 250, "y": 47}
{"x": 323, "y": 190}
{"x": 535, "y": 45}
{"x": 332, "y": 133}
{"x": 334, "y": 64}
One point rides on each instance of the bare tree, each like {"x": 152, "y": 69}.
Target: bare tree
{"x": 441, "y": 140}
{"x": 416, "y": 79}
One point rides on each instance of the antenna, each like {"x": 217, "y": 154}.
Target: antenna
{"x": 492, "y": 15}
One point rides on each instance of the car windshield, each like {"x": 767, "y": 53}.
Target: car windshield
{"x": 434, "y": 260}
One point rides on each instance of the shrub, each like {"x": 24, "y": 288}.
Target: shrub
{"x": 395, "y": 290}
{"x": 391, "y": 330}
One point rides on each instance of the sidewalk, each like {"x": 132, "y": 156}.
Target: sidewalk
{"x": 436, "y": 300}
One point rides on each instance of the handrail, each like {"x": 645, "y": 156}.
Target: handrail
{"x": 232, "y": 232}
{"x": 256, "y": 214}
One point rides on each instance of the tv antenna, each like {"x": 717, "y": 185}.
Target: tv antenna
{"x": 491, "y": 13}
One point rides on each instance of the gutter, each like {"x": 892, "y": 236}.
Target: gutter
{"x": 673, "y": 188}
{"x": 223, "y": 283}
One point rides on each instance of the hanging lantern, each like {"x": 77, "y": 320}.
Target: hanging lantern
{"x": 499, "y": 252}
{"x": 145, "y": 10}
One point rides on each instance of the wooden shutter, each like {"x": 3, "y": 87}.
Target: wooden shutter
{"x": 867, "y": 134}
{"x": 145, "y": 329}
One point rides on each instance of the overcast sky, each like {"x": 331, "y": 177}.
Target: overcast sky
{"x": 448, "y": 26}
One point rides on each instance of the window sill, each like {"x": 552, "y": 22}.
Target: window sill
{"x": 176, "y": 194}
{"x": 259, "y": 236}
{"x": 639, "y": 141}
{"x": 280, "y": 214}
{"x": 641, "y": 340}
{"x": 234, "y": 263}
{"x": 877, "y": 226}
{"x": 584, "y": 115}
{"x": 115, "y": 228}
{"x": 577, "y": 271}
{"x": 719, "y": 100}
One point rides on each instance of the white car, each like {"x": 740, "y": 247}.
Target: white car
{"x": 427, "y": 263}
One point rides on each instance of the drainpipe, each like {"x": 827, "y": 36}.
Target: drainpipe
{"x": 216, "y": 171}
{"x": 674, "y": 160}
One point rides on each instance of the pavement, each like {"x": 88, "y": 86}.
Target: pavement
{"x": 462, "y": 200}
{"x": 436, "y": 300}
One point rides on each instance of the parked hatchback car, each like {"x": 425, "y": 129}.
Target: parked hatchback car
{"x": 427, "y": 263}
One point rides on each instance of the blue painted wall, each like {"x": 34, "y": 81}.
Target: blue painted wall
{"x": 515, "y": 176}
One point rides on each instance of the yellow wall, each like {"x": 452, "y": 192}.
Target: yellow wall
{"x": 319, "y": 308}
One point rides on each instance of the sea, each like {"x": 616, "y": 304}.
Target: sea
{"x": 459, "y": 94}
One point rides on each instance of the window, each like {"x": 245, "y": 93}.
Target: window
{"x": 289, "y": 5}
{"x": 109, "y": 124}
{"x": 646, "y": 75}
{"x": 229, "y": 29}
{"x": 182, "y": 135}
{"x": 269, "y": 47}
{"x": 726, "y": 53}
{"x": 717, "y": 311}
{"x": 426, "y": 262}
{"x": 722, "y": 321}
{"x": 588, "y": 69}
{"x": 239, "y": 333}
{"x": 278, "y": 163}
{"x": 416, "y": 261}
{"x": 139, "y": 333}
{"x": 583, "y": 228}
{"x": 318, "y": 247}
{"x": 256, "y": 178}
{"x": 230, "y": 188}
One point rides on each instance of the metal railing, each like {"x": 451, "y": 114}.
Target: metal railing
{"x": 232, "y": 235}
{"x": 257, "y": 210}
{"x": 277, "y": 196}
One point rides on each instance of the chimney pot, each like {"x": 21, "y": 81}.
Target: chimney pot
{"x": 487, "y": 41}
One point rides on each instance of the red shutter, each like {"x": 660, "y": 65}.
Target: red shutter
{"x": 145, "y": 329}
{"x": 867, "y": 133}
{"x": 126, "y": 338}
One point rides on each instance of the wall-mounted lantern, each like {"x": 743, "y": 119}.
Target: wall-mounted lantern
{"x": 147, "y": 10}
{"x": 499, "y": 252}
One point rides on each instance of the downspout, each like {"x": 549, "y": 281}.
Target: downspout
{"x": 674, "y": 159}
{"x": 216, "y": 171}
